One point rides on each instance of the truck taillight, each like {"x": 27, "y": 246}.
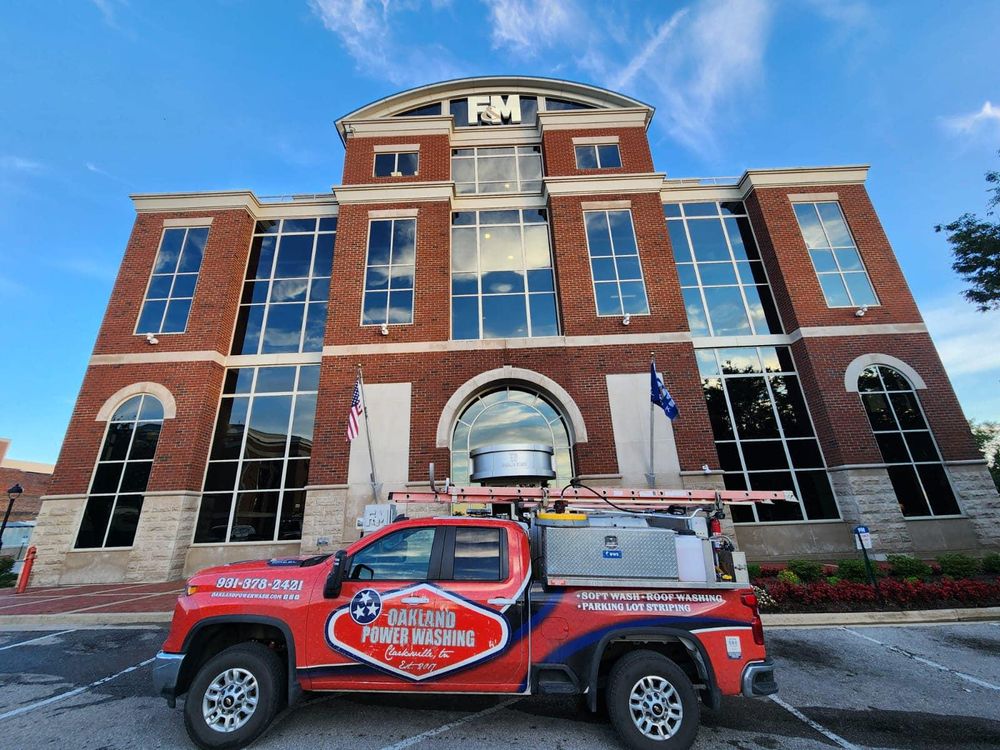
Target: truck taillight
{"x": 756, "y": 625}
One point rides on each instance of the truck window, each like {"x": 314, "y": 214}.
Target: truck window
{"x": 401, "y": 556}
{"x": 477, "y": 555}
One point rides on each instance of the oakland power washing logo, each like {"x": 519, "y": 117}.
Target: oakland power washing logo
{"x": 419, "y": 632}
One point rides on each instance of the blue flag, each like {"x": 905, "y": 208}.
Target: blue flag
{"x": 659, "y": 394}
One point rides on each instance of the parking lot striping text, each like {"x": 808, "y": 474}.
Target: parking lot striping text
{"x": 35, "y": 640}
{"x": 75, "y": 691}
{"x": 450, "y": 725}
{"x": 928, "y": 662}
{"x": 833, "y": 737}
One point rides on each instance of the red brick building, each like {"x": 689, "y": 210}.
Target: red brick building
{"x": 502, "y": 259}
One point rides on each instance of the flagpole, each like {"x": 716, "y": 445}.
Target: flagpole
{"x": 651, "y": 476}
{"x": 368, "y": 434}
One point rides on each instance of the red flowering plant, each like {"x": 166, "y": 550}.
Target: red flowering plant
{"x": 848, "y": 596}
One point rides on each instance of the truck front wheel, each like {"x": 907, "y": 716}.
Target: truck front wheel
{"x": 234, "y": 697}
{"x": 651, "y": 702}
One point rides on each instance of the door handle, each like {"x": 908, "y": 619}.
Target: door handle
{"x": 414, "y": 600}
{"x": 501, "y": 600}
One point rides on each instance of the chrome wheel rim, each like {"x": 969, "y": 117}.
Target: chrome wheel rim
{"x": 655, "y": 708}
{"x": 230, "y": 700}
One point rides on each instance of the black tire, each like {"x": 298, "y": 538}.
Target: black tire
{"x": 268, "y": 672}
{"x": 625, "y": 676}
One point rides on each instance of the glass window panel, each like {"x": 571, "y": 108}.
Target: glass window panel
{"x": 148, "y": 408}
{"x": 309, "y": 378}
{"x": 672, "y": 210}
{"x": 598, "y": 234}
{"x": 159, "y": 287}
{"x": 254, "y": 518}
{"x": 379, "y": 242}
{"x": 708, "y": 240}
{"x": 401, "y": 307}
{"x": 718, "y": 411}
{"x": 107, "y": 478}
{"x": 260, "y": 475}
{"x": 622, "y": 235}
{"x": 834, "y": 224}
{"x": 816, "y": 495}
{"x": 289, "y": 290}
{"x": 328, "y": 224}
{"x": 909, "y": 494}
{"x": 477, "y": 555}
{"x": 893, "y": 380}
{"x": 294, "y": 256}
{"x": 938, "y": 490}
{"x": 729, "y": 456}
{"x": 628, "y": 267}
{"x": 170, "y": 251}
{"x": 686, "y": 274}
{"x": 267, "y": 430}
{"x": 229, "y": 428}
{"x": 323, "y": 260}
{"x": 868, "y": 380}
{"x": 407, "y": 163}
{"x": 921, "y": 446}
{"x": 776, "y": 480}
{"x": 833, "y": 290}
{"x": 275, "y": 380}
{"x": 603, "y": 269}
{"x": 907, "y": 411}
{"x": 695, "y": 309}
{"x": 248, "y": 327}
{"x": 262, "y": 257}
{"x": 823, "y": 260}
{"x": 269, "y": 226}
{"x": 756, "y": 310}
{"x": 135, "y": 476}
{"x": 194, "y": 248}
{"x": 299, "y": 225}
{"x": 531, "y": 168}
{"x": 184, "y": 285}
{"x": 283, "y": 330}
{"x": 732, "y": 208}
{"x": 500, "y": 248}
{"x": 377, "y": 277}
{"x": 715, "y": 274}
{"x": 213, "y": 518}
{"x": 727, "y": 311}
{"x": 805, "y": 454}
{"x": 94, "y": 524}
{"x": 586, "y": 157}
{"x": 541, "y": 280}
{"x": 740, "y": 360}
{"x": 879, "y": 415}
{"x": 503, "y": 282}
{"x": 536, "y": 247}
{"x": 700, "y": 209}
{"x": 375, "y": 308}
{"x": 463, "y": 249}
{"x": 151, "y": 317}
{"x": 633, "y": 297}
{"x": 499, "y": 217}
{"x": 401, "y": 278}
{"x": 175, "y": 319}
{"x": 255, "y": 291}
{"x": 860, "y": 288}
{"x": 116, "y": 443}
{"x": 848, "y": 259}
{"x": 609, "y": 156}
{"x": 319, "y": 290}
{"x": 791, "y": 406}
{"x": 504, "y": 316}
{"x": 752, "y": 408}
{"x": 221, "y": 475}
{"x": 465, "y": 283}
{"x": 535, "y": 216}
{"x": 812, "y": 230}
{"x": 146, "y": 436}
{"x": 707, "y": 364}
{"x": 679, "y": 241}
{"x": 763, "y": 454}
{"x": 543, "y": 315}
{"x": 404, "y": 241}
{"x": 464, "y": 318}
{"x": 293, "y": 506}
{"x": 403, "y": 555}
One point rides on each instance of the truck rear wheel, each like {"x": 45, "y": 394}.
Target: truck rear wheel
{"x": 651, "y": 702}
{"x": 234, "y": 697}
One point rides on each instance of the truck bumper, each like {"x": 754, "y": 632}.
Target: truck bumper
{"x": 166, "y": 668}
{"x": 758, "y": 679}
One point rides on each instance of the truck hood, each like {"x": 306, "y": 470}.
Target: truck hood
{"x": 266, "y": 566}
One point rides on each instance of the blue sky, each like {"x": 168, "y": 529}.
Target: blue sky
{"x": 110, "y": 97}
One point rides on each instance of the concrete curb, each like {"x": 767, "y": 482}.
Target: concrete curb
{"x": 907, "y": 617}
{"x": 84, "y": 620}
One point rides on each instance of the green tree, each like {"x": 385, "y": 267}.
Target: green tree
{"x": 987, "y": 435}
{"x": 975, "y": 245}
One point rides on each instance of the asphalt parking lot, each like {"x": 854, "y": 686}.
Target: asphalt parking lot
{"x": 860, "y": 687}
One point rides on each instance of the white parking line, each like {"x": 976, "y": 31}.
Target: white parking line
{"x": 39, "y": 638}
{"x": 814, "y": 725}
{"x": 71, "y": 693}
{"x": 446, "y": 727}
{"x": 928, "y": 662}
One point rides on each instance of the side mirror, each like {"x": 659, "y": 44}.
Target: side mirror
{"x": 333, "y": 581}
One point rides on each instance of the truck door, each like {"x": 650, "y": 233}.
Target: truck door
{"x": 424, "y": 608}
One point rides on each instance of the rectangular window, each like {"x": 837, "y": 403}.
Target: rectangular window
{"x": 477, "y": 555}
{"x": 284, "y": 302}
{"x": 404, "y": 164}
{"x": 259, "y": 462}
{"x": 614, "y": 263}
{"x": 508, "y": 169}
{"x": 389, "y": 272}
{"x": 171, "y": 286}
{"x": 725, "y": 288}
{"x": 763, "y": 432}
{"x": 502, "y": 283}
{"x": 601, "y": 156}
{"x": 834, "y": 254}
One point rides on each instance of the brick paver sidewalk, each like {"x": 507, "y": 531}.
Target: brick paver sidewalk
{"x": 92, "y": 598}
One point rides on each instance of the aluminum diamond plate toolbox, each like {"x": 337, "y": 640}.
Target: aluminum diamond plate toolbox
{"x": 610, "y": 552}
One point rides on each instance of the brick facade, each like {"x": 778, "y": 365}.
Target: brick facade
{"x": 824, "y": 341}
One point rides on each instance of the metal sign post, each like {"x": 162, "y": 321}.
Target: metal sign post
{"x": 863, "y": 541}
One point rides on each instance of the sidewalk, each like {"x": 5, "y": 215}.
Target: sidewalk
{"x": 92, "y": 603}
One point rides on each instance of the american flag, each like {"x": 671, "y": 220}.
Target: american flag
{"x": 353, "y": 423}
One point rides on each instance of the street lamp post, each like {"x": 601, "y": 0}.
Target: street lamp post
{"x": 13, "y": 493}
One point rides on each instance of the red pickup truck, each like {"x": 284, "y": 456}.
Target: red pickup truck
{"x": 466, "y": 605}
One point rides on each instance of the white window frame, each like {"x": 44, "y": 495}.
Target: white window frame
{"x": 173, "y": 280}
{"x": 388, "y": 290}
{"x": 829, "y": 246}
{"x": 596, "y": 148}
{"x": 395, "y": 163}
{"x": 518, "y": 180}
{"x": 618, "y": 283}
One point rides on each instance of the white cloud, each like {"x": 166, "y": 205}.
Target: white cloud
{"x": 365, "y": 29}
{"x": 986, "y": 119}
{"x": 12, "y": 163}
{"x": 528, "y": 26}
{"x": 645, "y": 55}
{"x": 91, "y": 167}
{"x": 960, "y": 331}
{"x": 109, "y": 11}
{"x": 844, "y": 12}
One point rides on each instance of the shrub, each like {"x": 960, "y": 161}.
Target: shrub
{"x": 6, "y": 577}
{"x": 789, "y": 578}
{"x": 832, "y": 580}
{"x": 852, "y": 570}
{"x": 991, "y": 563}
{"x": 904, "y": 566}
{"x": 769, "y": 571}
{"x": 6, "y": 564}
{"x": 957, "y": 565}
{"x": 806, "y": 570}
{"x": 753, "y": 571}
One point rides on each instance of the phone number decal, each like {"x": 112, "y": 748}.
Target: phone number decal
{"x": 260, "y": 584}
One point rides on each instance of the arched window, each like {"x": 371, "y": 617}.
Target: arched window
{"x": 116, "y": 491}
{"x": 510, "y": 414}
{"x": 914, "y": 464}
